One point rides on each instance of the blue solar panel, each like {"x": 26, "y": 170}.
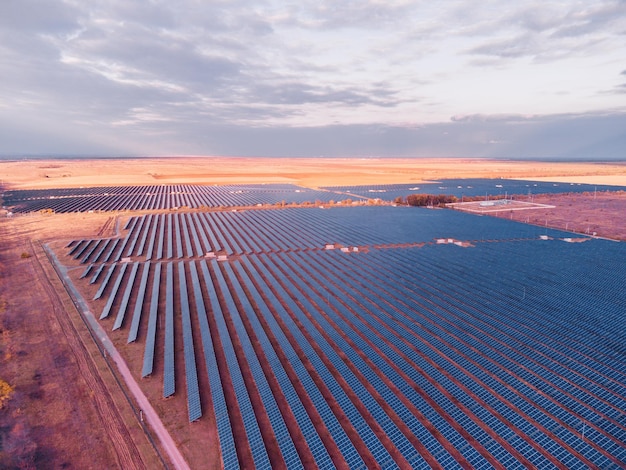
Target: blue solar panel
{"x": 86, "y": 271}
{"x": 142, "y": 244}
{"x": 281, "y": 433}
{"x": 255, "y": 440}
{"x": 169, "y": 376}
{"x": 101, "y": 251}
{"x": 88, "y": 253}
{"x": 148, "y": 357}
{"x": 107, "y": 308}
{"x": 493, "y": 350}
{"x": 191, "y": 375}
{"x": 96, "y": 275}
{"x": 121, "y": 312}
{"x": 227, "y": 443}
{"x": 159, "y": 250}
{"x": 177, "y": 236}
{"x": 141, "y": 293}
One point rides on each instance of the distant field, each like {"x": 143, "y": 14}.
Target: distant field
{"x": 307, "y": 172}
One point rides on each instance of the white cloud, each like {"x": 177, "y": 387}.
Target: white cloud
{"x": 235, "y": 65}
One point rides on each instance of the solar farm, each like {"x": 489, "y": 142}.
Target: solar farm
{"x": 193, "y": 196}
{"x": 358, "y": 337}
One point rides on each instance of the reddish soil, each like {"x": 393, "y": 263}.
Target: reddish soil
{"x": 173, "y": 410}
{"x": 600, "y": 213}
{"x": 43, "y": 351}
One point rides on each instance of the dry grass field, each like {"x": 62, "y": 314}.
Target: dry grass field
{"x": 302, "y": 171}
{"x": 47, "y": 360}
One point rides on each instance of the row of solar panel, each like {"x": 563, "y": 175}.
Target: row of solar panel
{"x": 531, "y": 307}
{"x": 440, "y": 348}
{"x": 618, "y": 437}
{"x": 258, "y": 376}
{"x": 491, "y": 335}
{"x": 332, "y": 424}
{"x": 462, "y": 331}
{"x": 452, "y": 434}
{"x": 465, "y": 380}
{"x": 470, "y": 187}
{"x": 191, "y": 235}
{"x": 159, "y": 197}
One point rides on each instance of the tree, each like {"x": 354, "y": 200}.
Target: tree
{"x": 5, "y": 392}
{"x": 421, "y": 200}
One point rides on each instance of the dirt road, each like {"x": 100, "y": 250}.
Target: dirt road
{"x": 148, "y": 412}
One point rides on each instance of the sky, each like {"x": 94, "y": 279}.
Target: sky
{"x": 343, "y": 78}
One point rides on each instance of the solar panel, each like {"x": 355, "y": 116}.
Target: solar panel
{"x": 255, "y": 440}
{"x": 113, "y": 294}
{"x": 148, "y": 357}
{"x": 134, "y": 327}
{"x": 285, "y": 443}
{"x": 191, "y": 375}
{"x": 119, "y": 319}
{"x": 227, "y": 443}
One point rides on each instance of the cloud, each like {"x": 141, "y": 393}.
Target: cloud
{"x": 551, "y": 30}
{"x": 482, "y": 118}
{"x": 329, "y": 14}
{"x": 519, "y": 46}
{"x": 151, "y": 76}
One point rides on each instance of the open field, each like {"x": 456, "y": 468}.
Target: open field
{"x": 62, "y": 386}
{"x": 302, "y": 171}
{"x": 278, "y": 285}
{"x": 600, "y": 214}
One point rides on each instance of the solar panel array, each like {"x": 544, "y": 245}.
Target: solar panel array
{"x": 407, "y": 353}
{"x": 159, "y": 197}
{"x": 470, "y": 187}
{"x": 189, "y": 235}
{"x": 167, "y": 197}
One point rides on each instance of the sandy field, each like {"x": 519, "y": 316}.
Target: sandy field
{"x": 307, "y": 172}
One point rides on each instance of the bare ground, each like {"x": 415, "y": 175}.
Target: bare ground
{"x": 600, "y": 214}
{"x": 66, "y": 410}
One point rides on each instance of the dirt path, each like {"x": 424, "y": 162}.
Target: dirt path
{"x": 61, "y": 414}
{"x": 128, "y": 456}
{"x": 147, "y": 411}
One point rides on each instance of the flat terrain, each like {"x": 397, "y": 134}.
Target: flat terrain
{"x": 302, "y": 171}
{"x": 42, "y": 353}
{"x": 600, "y": 214}
{"x": 62, "y": 386}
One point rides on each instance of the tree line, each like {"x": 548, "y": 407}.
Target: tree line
{"x": 438, "y": 200}
{"x": 423, "y": 200}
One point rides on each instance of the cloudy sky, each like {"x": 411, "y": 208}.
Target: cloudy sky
{"x": 495, "y": 78}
